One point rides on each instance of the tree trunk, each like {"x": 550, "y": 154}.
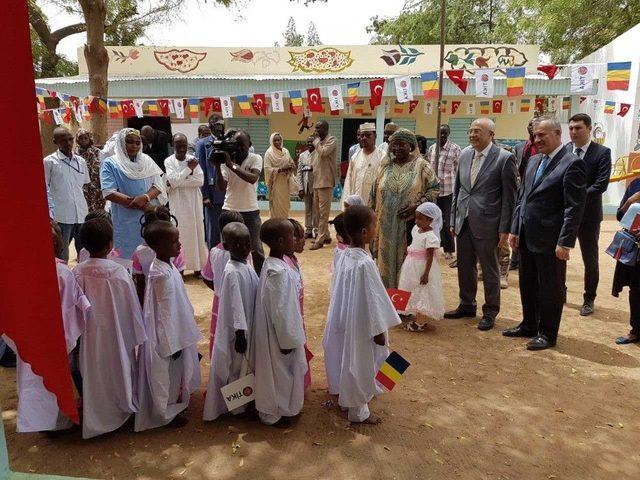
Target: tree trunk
{"x": 97, "y": 62}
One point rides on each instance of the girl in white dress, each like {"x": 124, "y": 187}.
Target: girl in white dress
{"x": 420, "y": 272}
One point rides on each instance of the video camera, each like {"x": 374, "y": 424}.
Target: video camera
{"x": 226, "y": 144}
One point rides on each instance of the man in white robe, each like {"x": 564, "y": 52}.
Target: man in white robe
{"x": 113, "y": 330}
{"x": 229, "y": 361}
{"x": 169, "y": 369}
{"x": 279, "y": 389}
{"x": 363, "y": 166}
{"x": 360, "y": 309}
{"x": 184, "y": 178}
{"x": 37, "y": 407}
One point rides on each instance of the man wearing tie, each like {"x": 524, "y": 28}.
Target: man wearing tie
{"x": 544, "y": 229}
{"x": 483, "y": 200}
{"x": 597, "y": 162}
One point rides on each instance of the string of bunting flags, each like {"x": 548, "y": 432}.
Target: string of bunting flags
{"x": 582, "y": 77}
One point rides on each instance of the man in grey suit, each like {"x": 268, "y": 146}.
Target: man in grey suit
{"x": 483, "y": 200}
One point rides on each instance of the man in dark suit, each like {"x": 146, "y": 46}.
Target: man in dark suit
{"x": 483, "y": 199}
{"x": 597, "y": 162}
{"x": 155, "y": 143}
{"x": 544, "y": 229}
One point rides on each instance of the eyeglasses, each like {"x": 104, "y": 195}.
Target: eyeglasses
{"x": 132, "y": 142}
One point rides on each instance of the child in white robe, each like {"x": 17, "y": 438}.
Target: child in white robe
{"x": 37, "y": 407}
{"x": 143, "y": 256}
{"x": 239, "y": 285}
{"x": 278, "y": 338}
{"x": 343, "y": 241}
{"x": 169, "y": 368}
{"x": 360, "y": 313}
{"x": 113, "y": 330}
{"x": 83, "y": 254}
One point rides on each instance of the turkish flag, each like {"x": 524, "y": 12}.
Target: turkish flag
{"x": 335, "y": 112}
{"x": 456, "y": 76}
{"x": 31, "y": 314}
{"x": 412, "y": 105}
{"x": 66, "y": 118}
{"x": 455, "y": 105}
{"x": 207, "y": 104}
{"x": 128, "y": 110}
{"x": 163, "y": 106}
{"x": 217, "y": 105}
{"x": 314, "y": 100}
{"x": 624, "y": 109}
{"x": 549, "y": 70}
{"x": 376, "y": 86}
{"x": 261, "y": 102}
{"x": 399, "y": 298}
{"x": 497, "y": 106}
{"x": 256, "y": 108}
{"x": 47, "y": 116}
{"x": 540, "y": 104}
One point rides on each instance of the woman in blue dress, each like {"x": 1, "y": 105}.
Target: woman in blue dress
{"x": 133, "y": 183}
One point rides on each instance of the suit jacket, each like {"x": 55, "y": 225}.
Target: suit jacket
{"x": 159, "y": 148}
{"x": 550, "y": 210}
{"x": 488, "y": 204}
{"x": 597, "y": 162}
{"x": 325, "y": 166}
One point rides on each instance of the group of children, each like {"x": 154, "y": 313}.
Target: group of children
{"x": 132, "y": 342}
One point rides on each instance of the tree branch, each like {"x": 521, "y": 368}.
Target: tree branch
{"x": 39, "y": 24}
{"x": 67, "y": 31}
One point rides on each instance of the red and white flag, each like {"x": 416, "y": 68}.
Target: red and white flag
{"x": 412, "y": 105}
{"x": 163, "y": 105}
{"x": 336, "y": 102}
{"x": 455, "y": 105}
{"x": 127, "y": 108}
{"x": 624, "y": 109}
{"x": 261, "y": 102}
{"x": 277, "y": 105}
{"x": 376, "y": 87}
{"x": 497, "y": 106}
{"x": 314, "y": 100}
{"x": 399, "y": 298}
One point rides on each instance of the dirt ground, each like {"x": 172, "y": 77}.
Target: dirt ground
{"x": 473, "y": 405}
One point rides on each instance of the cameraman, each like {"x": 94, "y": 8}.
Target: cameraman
{"x": 240, "y": 174}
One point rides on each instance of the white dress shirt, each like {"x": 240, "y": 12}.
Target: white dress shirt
{"x": 65, "y": 177}
{"x": 584, "y": 149}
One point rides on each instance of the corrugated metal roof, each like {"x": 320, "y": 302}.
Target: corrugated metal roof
{"x": 210, "y": 86}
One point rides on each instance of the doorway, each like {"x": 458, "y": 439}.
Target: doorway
{"x": 158, "y": 123}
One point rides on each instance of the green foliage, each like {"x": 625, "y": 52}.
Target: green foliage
{"x": 564, "y": 30}
{"x": 291, "y": 36}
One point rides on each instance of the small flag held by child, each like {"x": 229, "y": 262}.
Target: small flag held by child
{"x": 399, "y": 298}
{"x": 391, "y": 370}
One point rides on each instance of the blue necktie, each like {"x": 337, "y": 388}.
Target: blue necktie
{"x": 541, "y": 168}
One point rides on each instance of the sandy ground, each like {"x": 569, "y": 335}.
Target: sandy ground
{"x": 473, "y": 405}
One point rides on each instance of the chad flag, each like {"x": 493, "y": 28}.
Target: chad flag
{"x": 391, "y": 370}
{"x": 484, "y": 107}
{"x": 295, "y": 97}
{"x": 430, "y": 87}
{"x": 515, "y": 81}
{"x": 194, "y": 107}
{"x": 243, "y": 103}
{"x": 609, "y": 107}
{"x": 618, "y": 74}
{"x": 114, "y": 109}
{"x": 352, "y": 92}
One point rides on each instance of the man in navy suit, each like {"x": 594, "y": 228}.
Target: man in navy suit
{"x": 597, "y": 162}
{"x": 544, "y": 230}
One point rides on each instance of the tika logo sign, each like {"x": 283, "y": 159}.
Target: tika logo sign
{"x": 239, "y": 393}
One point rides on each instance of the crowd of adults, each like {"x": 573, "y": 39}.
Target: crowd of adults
{"x": 537, "y": 199}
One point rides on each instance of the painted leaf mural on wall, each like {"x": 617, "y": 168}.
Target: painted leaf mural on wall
{"x": 470, "y": 58}
{"x": 401, "y": 56}
{"x": 320, "y": 60}
{"x": 182, "y": 61}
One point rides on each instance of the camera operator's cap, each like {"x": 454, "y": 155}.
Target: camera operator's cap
{"x": 219, "y": 122}
{"x": 367, "y": 127}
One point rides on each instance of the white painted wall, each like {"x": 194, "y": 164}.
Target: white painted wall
{"x": 622, "y": 135}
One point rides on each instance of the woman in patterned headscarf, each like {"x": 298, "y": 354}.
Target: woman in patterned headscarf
{"x": 91, "y": 155}
{"x": 404, "y": 181}
{"x": 133, "y": 183}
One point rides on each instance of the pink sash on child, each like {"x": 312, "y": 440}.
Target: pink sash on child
{"x": 417, "y": 253}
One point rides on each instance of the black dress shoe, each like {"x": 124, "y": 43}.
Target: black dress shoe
{"x": 458, "y": 313}
{"x": 587, "y": 308}
{"x": 541, "y": 342}
{"x": 518, "y": 332}
{"x": 486, "y": 323}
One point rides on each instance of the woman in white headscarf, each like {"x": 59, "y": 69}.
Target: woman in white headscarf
{"x": 420, "y": 273}
{"x": 133, "y": 183}
{"x": 279, "y": 169}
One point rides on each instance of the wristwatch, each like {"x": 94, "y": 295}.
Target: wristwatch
{"x": 234, "y": 167}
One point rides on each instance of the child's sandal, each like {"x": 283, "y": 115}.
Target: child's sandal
{"x": 414, "y": 327}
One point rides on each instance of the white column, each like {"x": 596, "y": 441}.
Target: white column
{"x": 380, "y": 115}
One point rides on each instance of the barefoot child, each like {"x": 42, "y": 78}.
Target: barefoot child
{"x": 420, "y": 272}
{"x": 113, "y": 330}
{"x": 229, "y": 361}
{"x": 37, "y": 407}
{"x": 144, "y": 255}
{"x": 214, "y": 268}
{"x": 291, "y": 260}
{"x": 169, "y": 369}
{"x": 360, "y": 313}
{"x": 278, "y": 336}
